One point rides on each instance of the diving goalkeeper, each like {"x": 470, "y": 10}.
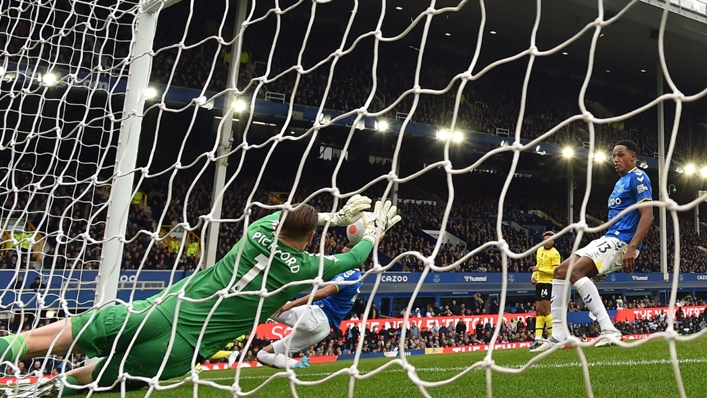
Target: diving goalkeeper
{"x": 202, "y": 327}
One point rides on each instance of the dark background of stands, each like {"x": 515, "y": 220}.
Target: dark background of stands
{"x": 487, "y": 104}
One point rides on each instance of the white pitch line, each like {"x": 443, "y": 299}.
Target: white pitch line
{"x": 460, "y": 368}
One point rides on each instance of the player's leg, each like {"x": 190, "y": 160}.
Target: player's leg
{"x": 280, "y": 358}
{"x": 600, "y": 256}
{"x": 91, "y": 333}
{"x": 313, "y": 328}
{"x": 145, "y": 357}
{"x": 543, "y": 318}
{"x": 582, "y": 266}
{"x": 268, "y": 357}
{"x": 232, "y": 357}
{"x": 544, "y": 309}
{"x": 145, "y": 360}
{"x": 223, "y": 354}
{"x": 603, "y": 254}
{"x": 612, "y": 263}
{"x": 36, "y": 343}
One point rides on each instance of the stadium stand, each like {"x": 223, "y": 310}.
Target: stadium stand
{"x": 488, "y": 106}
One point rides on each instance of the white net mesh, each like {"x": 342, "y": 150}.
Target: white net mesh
{"x": 64, "y": 77}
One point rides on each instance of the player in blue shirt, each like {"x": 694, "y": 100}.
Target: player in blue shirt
{"x": 616, "y": 250}
{"x": 330, "y": 306}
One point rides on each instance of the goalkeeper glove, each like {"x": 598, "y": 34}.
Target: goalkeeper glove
{"x": 383, "y": 218}
{"x": 349, "y": 214}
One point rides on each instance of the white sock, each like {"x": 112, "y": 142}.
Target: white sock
{"x": 558, "y": 313}
{"x": 279, "y": 361}
{"x": 590, "y": 294}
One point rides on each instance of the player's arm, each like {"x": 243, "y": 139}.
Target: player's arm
{"x": 339, "y": 263}
{"x": 644, "y": 225}
{"x": 556, "y": 261}
{"x": 383, "y": 218}
{"x": 537, "y": 262}
{"x": 324, "y": 292}
{"x": 643, "y": 191}
{"x": 536, "y": 269}
{"x": 549, "y": 272}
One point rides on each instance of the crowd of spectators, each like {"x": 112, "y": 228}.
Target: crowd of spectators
{"x": 71, "y": 215}
{"x": 488, "y": 104}
{"x": 458, "y": 334}
{"x": 491, "y": 102}
{"x": 72, "y": 221}
{"x": 194, "y": 57}
{"x": 379, "y": 340}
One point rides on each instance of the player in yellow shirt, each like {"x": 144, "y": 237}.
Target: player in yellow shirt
{"x": 547, "y": 259}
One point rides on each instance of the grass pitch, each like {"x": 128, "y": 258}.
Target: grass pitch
{"x": 641, "y": 371}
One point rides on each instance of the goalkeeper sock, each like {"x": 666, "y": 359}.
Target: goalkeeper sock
{"x": 539, "y": 325}
{"x": 590, "y": 294}
{"x": 66, "y": 390}
{"x": 12, "y": 347}
{"x": 279, "y": 361}
{"x": 556, "y": 310}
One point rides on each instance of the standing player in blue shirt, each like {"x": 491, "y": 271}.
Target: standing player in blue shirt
{"x": 330, "y": 306}
{"x": 616, "y": 250}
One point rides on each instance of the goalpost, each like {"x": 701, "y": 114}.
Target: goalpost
{"x": 77, "y": 92}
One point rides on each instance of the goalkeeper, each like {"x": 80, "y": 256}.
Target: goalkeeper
{"x": 204, "y": 326}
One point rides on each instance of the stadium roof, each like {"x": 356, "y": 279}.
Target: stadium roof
{"x": 627, "y": 47}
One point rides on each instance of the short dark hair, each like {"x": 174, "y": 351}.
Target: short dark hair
{"x": 300, "y": 222}
{"x": 630, "y": 145}
{"x": 548, "y": 233}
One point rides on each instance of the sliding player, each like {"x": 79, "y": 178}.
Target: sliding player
{"x": 198, "y": 304}
{"x": 330, "y": 305}
{"x": 547, "y": 259}
{"x": 615, "y": 250}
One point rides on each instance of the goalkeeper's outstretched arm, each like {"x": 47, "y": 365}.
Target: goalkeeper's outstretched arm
{"x": 383, "y": 218}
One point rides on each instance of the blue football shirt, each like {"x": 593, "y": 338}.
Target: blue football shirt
{"x": 338, "y": 305}
{"x": 633, "y": 187}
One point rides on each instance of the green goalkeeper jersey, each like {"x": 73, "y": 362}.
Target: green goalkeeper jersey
{"x": 238, "y": 315}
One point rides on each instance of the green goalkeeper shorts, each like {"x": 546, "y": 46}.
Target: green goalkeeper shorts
{"x": 96, "y": 331}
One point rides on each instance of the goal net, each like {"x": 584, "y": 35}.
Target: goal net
{"x": 140, "y": 140}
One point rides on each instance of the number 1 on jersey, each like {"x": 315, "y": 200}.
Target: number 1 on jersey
{"x": 258, "y": 267}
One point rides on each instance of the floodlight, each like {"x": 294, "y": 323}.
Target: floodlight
{"x": 49, "y": 79}
{"x": 150, "y": 93}
{"x": 239, "y": 105}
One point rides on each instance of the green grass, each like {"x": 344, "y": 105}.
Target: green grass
{"x": 642, "y": 371}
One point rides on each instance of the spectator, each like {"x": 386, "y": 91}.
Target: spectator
{"x": 19, "y": 284}
{"x": 461, "y": 327}
{"x": 37, "y": 284}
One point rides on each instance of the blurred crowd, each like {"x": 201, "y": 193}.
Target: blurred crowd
{"x": 458, "y": 334}
{"x": 196, "y": 56}
{"x": 72, "y": 216}
{"x": 71, "y": 220}
{"x": 488, "y": 105}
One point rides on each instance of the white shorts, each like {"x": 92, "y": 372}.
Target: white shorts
{"x": 312, "y": 329}
{"x": 607, "y": 253}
